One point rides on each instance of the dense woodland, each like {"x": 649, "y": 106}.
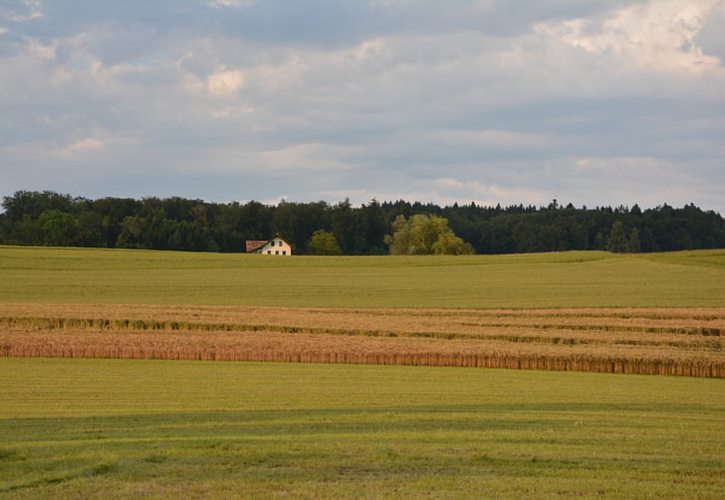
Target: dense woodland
{"x": 49, "y": 218}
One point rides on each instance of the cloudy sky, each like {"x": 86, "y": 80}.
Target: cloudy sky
{"x": 594, "y": 102}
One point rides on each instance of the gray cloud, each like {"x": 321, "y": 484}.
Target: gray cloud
{"x": 594, "y": 102}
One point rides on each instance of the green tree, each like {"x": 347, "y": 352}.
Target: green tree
{"x": 323, "y": 243}
{"x": 598, "y": 241}
{"x": 58, "y": 228}
{"x": 618, "y": 242}
{"x": 90, "y": 229}
{"x": 425, "y": 235}
{"x": 634, "y": 245}
{"x": 28, "y": 231}
{"x": 450, "y": 244}
{"x": 345, "y": 225}
{"x": 398, "y": 242}
{"x": 154, "y": 231}
{"x": 33, "y": 204}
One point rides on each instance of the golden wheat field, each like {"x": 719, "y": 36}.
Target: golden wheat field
{"x": 671, "y": 341}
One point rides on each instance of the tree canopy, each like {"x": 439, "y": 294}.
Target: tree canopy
{"x": 49, "y": 218}
{"x": 323, "y": 243}
{"x": 425, "y": 235}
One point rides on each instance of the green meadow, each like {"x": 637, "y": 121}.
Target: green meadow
{"x": 120, "y": 428}
{"x": 566, "y": 279}
{"x": 73, "y": 428}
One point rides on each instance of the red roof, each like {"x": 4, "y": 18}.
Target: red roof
{"x": 254, "y": 245}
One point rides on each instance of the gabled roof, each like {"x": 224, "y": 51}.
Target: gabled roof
{"x": 254, "y": 245}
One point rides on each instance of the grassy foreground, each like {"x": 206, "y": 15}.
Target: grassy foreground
{"x": 570, "y": 279}
{"x": 100, "y": 428}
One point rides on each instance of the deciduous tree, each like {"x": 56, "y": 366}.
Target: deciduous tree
{"x": 323, "y": 243}
{"x": 425, "y": 235}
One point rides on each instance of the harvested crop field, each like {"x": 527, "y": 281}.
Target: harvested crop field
{"x": 671, "y": 341}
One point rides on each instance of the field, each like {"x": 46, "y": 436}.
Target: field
{"x": 168, "y": 423}
{"x": 100, "y": 428}
{"x": 555, "y": 280}
{"x": 684, "y": 341}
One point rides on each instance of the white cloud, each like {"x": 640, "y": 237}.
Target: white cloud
{"x": 229, "y": 111}
{"x": 445, "y": 191}
{"x": 40, "y": 50}
{"x": 81, "y": 147}
{"x": 3, "y": 30}
{"x": 487, "y": 193}
{"x": 225, "y": 82}
{"x": 304, "y": 157}
{"x": 272, "y": 201}
{"x": 369, "y": 49}
{"x": 230, "y": 3}
{"x": 395, "y": 104}
{"x": 491, "y": 137}
{"x": 387, "y": 4}
{"x": 34, "y": 10}
{"x": 659, "y": 34}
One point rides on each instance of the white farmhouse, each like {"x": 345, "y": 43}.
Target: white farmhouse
{"x": 275, "y": 246}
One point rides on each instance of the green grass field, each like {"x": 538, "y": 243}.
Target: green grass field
{"x": 569, "y": 279}
{"x": 101, "y": 428}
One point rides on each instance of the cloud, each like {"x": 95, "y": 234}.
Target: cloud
{"x": 489, "y": 194}
{"x": 515, "y": 101}
{"x": 82, "y": 146}
{"x": 659, "y": 34}
{"x": 445, "y": 191}
{"x": 38, "y": 49}
{"x": 492, "y": 138}
{"x": 294, "y": 160}
{"x": 225, "y": 82}
{"x": 229, "y": 3}
{"x": 29, "y": 11}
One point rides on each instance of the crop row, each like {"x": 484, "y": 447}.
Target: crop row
{"x": 568, "y": 335}
{"x": 684, "y": 345}
{"x": 78, "y": 346}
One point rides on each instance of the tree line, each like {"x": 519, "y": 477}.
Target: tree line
{"x": 50, "y": 218}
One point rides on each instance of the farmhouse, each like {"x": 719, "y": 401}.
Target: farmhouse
{"x": 275, "y": 246}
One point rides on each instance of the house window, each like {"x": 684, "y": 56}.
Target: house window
{"x": 269, "y": 252}
{"x": 284, "y": 252}
{"x": 276, "y": 252}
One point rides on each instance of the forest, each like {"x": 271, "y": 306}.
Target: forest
{"x": 55, "y": 219}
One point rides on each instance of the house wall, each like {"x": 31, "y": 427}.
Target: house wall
{"x": 276, "y": 246}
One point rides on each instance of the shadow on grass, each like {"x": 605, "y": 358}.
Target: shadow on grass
{"x": 398, "y": 443}
{"x": 270, "y": 423}
{"x": 96, "y": 470}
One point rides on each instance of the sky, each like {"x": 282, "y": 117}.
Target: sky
{"x": 593, "y": 102}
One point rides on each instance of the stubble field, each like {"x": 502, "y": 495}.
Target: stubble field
{"x": 682, "y": 341}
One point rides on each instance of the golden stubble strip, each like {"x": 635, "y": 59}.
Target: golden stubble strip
{"x": 394, "y": 319}
{"x": 667, "y": 341}
{"x": 322, "y": 348}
